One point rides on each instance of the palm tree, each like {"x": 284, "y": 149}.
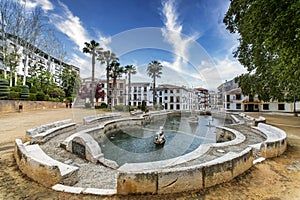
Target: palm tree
{"x": 93, "y": 49}
{"x": 116, "y": 71}
{"x": 154, "y": 70}
{"x": 129, "y": 69}
{"x": 106, "y": 57}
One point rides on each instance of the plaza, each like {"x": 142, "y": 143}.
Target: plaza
{"x": 264, "y": 173}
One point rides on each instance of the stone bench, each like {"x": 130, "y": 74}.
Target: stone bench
{"x": 275, "y": 144}
{"x": 136, "y": 112}
{"x": 100, "y": 118}
{"x": 258, "y": 120}
{"x": 45, "y": 132}
{"x": 37, "y": 165}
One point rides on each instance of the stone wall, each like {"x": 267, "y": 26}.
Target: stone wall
{"x": 13, "y": 106}
{"x": 182, "y": 179}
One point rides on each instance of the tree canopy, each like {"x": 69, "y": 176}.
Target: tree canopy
{"x": 269, "y": 46}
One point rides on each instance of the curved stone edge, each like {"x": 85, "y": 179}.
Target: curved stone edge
{"x": 275, "y": 144}
{"x": 37, "y": 165}
{"x": 183, "y": 179}
{"x": 225, "y": 171}
{"x": 45, "y": 132}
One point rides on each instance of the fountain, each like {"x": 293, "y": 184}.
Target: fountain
{"x": 120, "y": 156}
{"x": 160, "y": 137}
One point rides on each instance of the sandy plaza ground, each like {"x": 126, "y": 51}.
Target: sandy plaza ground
{"x": 272, "y": 179}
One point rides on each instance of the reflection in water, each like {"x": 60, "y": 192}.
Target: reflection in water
{"x": 135, "y": 144}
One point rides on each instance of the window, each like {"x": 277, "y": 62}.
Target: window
{"x": 171, "y": 91}
{"x": 265, "y": 106}
{"x": 177, "y": 106}
{"x": 238, "y": 97}
{"x": 121, "y": 85}
{"x": 227, "y": 98}
{"x": 166, "y": 98}
{"x": 238, "y": 106}
{"x": 177, "y": 91}
{"x": 281, "y": 107}
{"x": 166, "y": 91}
{"x": 171, "y": 99}
{"x": 171, "y": 106}
{"x": 121, "y": 93}
{"x": 228, "y": 106}
{"x": 177, "y": 99}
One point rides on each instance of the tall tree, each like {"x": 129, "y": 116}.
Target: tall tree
{"x": 269, "y": 46}
{"x": 70, "y": 81}
{"x": 12, "y": 60}
{"x": 93, "y": 49}
{"x": 116, "y": 71}
{"x": 154, "y": 70}
{"x": 106, "y": 57}
{"x": 129, "y": 69}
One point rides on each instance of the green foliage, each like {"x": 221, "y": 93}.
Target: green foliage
{"x": 154, "y": 71}
{"x": 33, "y": 89}
{"x": 40, "y": 96}
{"x": 13, "y": 95}
{"x": 32, "y": 97}
{"x": 269, "y": 46}
{"x": 70, "y": 81}
{"x": 57, "y": 93}
{"x": 25, "y": 92}
{"x": 4, "y": 88}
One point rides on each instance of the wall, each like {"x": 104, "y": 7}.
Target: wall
{"x": 13, "y": 105}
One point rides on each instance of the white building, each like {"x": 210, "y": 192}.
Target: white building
{"x": 174, "y": 97}
{"x": 139, "y": 91}
{"x": 32, "y": 61}
{"x": 233, "y": 100}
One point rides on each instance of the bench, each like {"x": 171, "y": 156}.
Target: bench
{"x": 37, "y": 165}
{"x": 45, "y": 132}
{"x": 275, "y": 144}
{"x": 100, "y": 118}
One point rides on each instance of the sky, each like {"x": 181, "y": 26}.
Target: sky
{"x": 187, "y": 37}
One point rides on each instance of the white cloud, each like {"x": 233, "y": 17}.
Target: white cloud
{"x": 70, "y": 25}
{"x": 172, "y": 33}
{"x": 46, "y": 5}
{"x": 229, "y": 68}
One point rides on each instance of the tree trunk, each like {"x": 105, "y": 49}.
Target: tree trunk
{"x": 93, "y": 79}
{"x": 154, "y": 90}
{"x": 129, "y": 89}
{"x": 107, "y": 82}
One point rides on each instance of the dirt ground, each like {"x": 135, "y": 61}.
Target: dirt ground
{"x": 273, "y": 179}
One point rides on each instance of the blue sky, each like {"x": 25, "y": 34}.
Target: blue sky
{"x": 187, "y": 36}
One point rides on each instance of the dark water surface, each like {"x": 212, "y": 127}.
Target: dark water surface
{"x": 135, "y": 144}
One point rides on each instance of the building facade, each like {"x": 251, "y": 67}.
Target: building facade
{"x": 234, "y": 100}
{"x": 31, "y": 60}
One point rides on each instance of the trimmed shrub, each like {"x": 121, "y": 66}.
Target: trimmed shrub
{"x": 13, "y": 95}
{"x": 25, "y": 92}
{"x": 32, "y": 97}
{"x": 40, "y": 96}
{"x": 33, "y": 89}
{"x": 4, "y": 88}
